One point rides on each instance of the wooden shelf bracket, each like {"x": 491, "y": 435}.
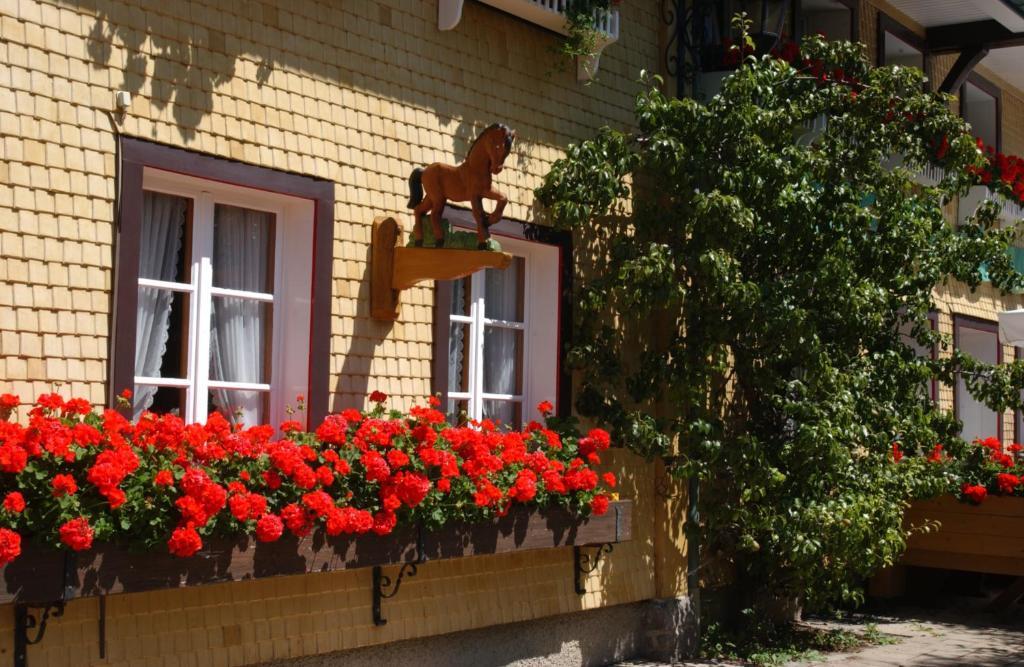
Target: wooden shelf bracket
{"x": 395, "y": 267}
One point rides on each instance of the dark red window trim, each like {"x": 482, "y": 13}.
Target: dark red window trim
{"x": 137, "y": 154}
{"x": 443, "y": 302}
{"x": 968, "y": 322}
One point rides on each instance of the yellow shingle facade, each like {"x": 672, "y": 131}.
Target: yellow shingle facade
{"x": 353, "y": 92}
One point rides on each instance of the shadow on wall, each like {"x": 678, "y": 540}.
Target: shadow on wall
{"x": 188, "y": 60}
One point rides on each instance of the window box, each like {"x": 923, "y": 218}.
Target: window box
{"x": 549, "y": 14}
{"x": 42, "y": 576}
{"x": 979, "y": 538}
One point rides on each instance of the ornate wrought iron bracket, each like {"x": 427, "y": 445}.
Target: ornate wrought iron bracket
{"x": 25, "y": 620}
{"x": 584, "y": 563}
{"x": 386, "y": 587}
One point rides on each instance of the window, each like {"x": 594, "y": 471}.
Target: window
{"x": 501, "y": 336}
{"x": 898, "y": 45}
{"x": 980, "y": 105}
{"x": 219, "y": 301}
{"x": 835, "y": 19}
{"x": 980, "y": 339}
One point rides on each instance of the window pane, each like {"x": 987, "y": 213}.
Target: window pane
{"x": 163, "y": 250}
{"x": 898, "y": 52}
{"x": 979, "y": 109}
{"x": 458, "y": 357}
{"x": 830, "y": 18}
{"x": 243, "y": 249}
{"x": 507, "y": 413}
{"x": 462, "y": 293}
{"x": 503, "y": 361}
{"x": 239, "y": 407}
{"x": 979, "y": 420}
{"x": 161, "y": 334}
{"x": 503, "y": 292}
{"x": 239, "y": 340}
{"x": 161, "y": 400}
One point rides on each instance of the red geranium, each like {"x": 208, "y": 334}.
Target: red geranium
{"x": 77, "y": 534}
{"x": 1006, "y": 482}
{"x": 10, "y": 545}
{"x": 184, "y": 542}
{"x": 63, "y": 485}
{"x": 974, "y": 492}
{"x": 269, "y": 528}
{"x": 599, "y": 505}
{"x": 14, "y": 502}
{"x": 378, "y": 397}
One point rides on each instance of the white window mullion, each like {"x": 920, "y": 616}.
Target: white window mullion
{"x": 202, "y": 267}
{"x": 476, "y": 366}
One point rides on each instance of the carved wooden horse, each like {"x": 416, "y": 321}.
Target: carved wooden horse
{"x": 470, "y": 181}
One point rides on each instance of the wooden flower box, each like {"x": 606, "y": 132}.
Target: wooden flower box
{"x": 41, "y": 576}
{"x": 980, "y": 538}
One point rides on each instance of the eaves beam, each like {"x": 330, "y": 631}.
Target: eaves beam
{"x": 961, "y": 69}
{"x": 957, "y": 37}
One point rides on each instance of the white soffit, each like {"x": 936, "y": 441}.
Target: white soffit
{"x": 931, "y": 13}
{"x": 1008, "y": 63}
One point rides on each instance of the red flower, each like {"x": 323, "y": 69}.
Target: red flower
{"x": 12, "y": 458}
{"x": 384, "y": 522}
{"x": 397, "y": 458}
{"x": 10, "y": 545}
{"x": 9, "y": 401}
{"x": 126, "y": 394}
{"x": 184, "y": 542}
{"x": 296, "y": 520}
{"x": 609, "y": 479}
{"x": 377, "y": 469}
{"x": 936, "y": 454}
{"x": 290, "y": 426}
{"x": 434, "y": 402}
{"x": 599, "y": 505}
{"x": 164, "y": 478}
{"x": 334, "y": 430}
{"x": 269, "y": 528}
{"x": 14, "y": 502}
{"x": 525, "y": 487}
{"x": 897, "y": 454}
{"x": 444, "y": 485}
{"x": 77, "y": 534}
{"x": 974, "y": 492}
{"x": 64, "y": 485}
{"x": 545, "y": 408}
{"x": 378, "y": 397}
{"x": 411, "y": 487}
{"x": 352, "y": 415}
{"x": 1007, "y": 482}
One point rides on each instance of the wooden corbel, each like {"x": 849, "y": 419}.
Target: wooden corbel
{"x": 395, "y": 267}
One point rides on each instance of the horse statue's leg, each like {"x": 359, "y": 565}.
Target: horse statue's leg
{"x": 417, "y": 215}
{"x": 499, "y": 207}
{"x": 481, "y": 223}
{"x": 436, "y": 211}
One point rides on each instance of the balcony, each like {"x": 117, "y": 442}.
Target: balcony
{"x": 549, "y": 14}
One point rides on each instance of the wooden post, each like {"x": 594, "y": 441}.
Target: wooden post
{"x": 384, "y": 299}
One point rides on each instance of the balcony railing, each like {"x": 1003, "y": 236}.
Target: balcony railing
{"x": 549, "y": 14}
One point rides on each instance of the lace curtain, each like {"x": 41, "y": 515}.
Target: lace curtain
{"x": 238, "y": 327}
{"x": 502, "y": 347}
{"x": 163, "y": 224}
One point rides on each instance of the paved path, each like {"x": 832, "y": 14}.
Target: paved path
{"x": 926, "y": 639}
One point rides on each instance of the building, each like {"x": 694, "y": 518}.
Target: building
{"x": 257, "y": 143}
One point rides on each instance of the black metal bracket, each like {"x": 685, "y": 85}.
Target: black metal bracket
{"x": 25, "y": 620}
{"x": 382, "y": 583}
{"x": 584, "y": 563}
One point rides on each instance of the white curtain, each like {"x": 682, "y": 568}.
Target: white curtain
{"x": 502, "y": 347}
{"x": 163, "y": 221}
{"x": 238, "y": 335}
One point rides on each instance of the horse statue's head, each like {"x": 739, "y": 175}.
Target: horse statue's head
{"x": 497, "y": 141}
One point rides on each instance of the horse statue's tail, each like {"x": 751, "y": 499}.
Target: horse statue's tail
{"x": 415, "y": 187}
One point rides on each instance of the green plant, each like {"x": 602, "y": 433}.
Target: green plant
{"x": 746, "y": 294}
{"x": 583, "y": 37}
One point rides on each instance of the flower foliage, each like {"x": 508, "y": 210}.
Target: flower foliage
{"x": 988, "y": 468}
{"x": 761, "y": 276}
{"x": 71, "y": 476}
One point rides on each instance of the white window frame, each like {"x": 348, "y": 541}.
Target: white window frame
{"x": 291, "y": 296}
{"x": 540, "y": 326}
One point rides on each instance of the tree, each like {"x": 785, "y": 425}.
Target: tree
{"x": 749, "y": 286}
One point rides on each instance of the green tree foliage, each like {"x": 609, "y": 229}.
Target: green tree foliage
{"x": 749, "y": 284}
